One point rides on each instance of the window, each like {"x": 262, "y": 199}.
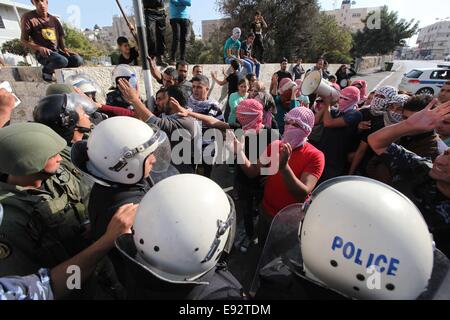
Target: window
{"x": 414, "y": 74}
{"x": 356, "y": 15}
{"x": 2, "y": 25}
{"x": 440, "y": 75}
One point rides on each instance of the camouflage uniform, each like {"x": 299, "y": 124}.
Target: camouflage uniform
{"x": 33, "y": 287}
{"x": 411, "y": 177}
{"x": 40, "y": 227}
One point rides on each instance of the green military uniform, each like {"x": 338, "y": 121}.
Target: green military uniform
{"x": 40, "y": 227}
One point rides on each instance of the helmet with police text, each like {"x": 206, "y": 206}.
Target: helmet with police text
{"x": 373, "y": 247}
{"x": 26, "y": 148}
{"x": 180, "y": 235}
{"x": 118, "y": 148}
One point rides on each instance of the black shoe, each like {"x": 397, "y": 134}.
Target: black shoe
{"x": 47, "y": 77}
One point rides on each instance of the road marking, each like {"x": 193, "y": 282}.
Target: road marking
{"x": 388, "y": 77}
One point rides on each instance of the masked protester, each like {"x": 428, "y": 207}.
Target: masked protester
{"x": 339, "y": 137}
{"x": 362, "y": 86}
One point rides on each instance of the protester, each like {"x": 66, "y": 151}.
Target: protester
{"x": 362, "y": 86}
{"x": 251, "y": 78}
{"x": 318, "y": 67}
{"x": 282, "y": 73}
{"x": 344, "y": 75}
{"x": 339, "y": 137}
{"x": 44, "y": 35}
{"x": 300, "y": 168}
{"x": 257, "y": 27}
{"x": 155, "y": 23}
{"x": 197, "y": 70}
{"x": 180, "y": 23}
{"x": 235, "y": 99}
{"x": 128, "y": 55}
{"x": 427, "y": 184}
{"x": 248, "y": 182}
{"x": 286, "y": 100}
{"x": 232, "y": 80}
{"x": 325, "y": 73}
{"x": 232, "y": 47}
{"x": 298, "y": 69}
{"x": 252, "y": 65}
{"x": 258, "y": 92}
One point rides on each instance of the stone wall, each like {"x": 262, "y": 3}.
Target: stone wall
{"x": 28, "y": 85}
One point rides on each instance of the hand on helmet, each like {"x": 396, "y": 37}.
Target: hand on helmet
{"x": 122, "y": 221}
{"x": 128, "y": 92}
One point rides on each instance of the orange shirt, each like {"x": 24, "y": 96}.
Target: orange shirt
{"x": 306, "y": 159}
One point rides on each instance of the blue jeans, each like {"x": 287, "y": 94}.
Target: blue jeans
{"x": 248, "y": 65}
{"x": 58, "y": 61}
{"x": 253, "y": 66}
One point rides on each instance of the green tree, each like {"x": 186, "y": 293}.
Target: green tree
{"x": 331, "y": 40}
{"x": 383, "y": 40}
{"x": 291, "y": 24}
{"x": 76, "y": 41}
{"x": 15, "y": 47}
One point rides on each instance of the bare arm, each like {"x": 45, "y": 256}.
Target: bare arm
{"x": 221, "y": 83}
{"x": 424, "y": 121}
{"x": 87, "y": 260}
{"x": 274, "y": 85}
{"x": 132, "y": 96}
{"x": 156, "y": 73}
{"x": 359, "y": 155}
{"x": 299, "y": 188}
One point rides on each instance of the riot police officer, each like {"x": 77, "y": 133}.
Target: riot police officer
{"x": 179, "y": 237}
{"x": 353, "y": 247}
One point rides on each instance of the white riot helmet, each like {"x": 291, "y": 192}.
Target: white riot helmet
{"x": 375, "y": 246}
{"x": 180, "y": 235}
{"x": 117, "y": 149}
{"x": 123, "y": 71}
{"x": 83, "y": 82}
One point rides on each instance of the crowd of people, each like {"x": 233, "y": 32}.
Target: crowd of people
{"x": 98, "y": 186}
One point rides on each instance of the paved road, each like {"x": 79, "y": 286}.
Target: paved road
{"x": 242, "y": 265}
{"x": 394, "y": 78}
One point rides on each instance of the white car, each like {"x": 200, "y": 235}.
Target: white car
{"x": 425, "y": 81}
{"x": 447, "y": 58}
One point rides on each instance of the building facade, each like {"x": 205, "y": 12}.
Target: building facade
{"x": 214, "y": 28}
{"x": 10, "y": 15}
{"x": 434, "y": 40}
{"x": 350, "y": 17}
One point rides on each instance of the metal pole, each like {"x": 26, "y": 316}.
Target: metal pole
{"x": 142, "y": 40}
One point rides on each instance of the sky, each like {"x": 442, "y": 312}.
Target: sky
{"x": 101, "y": 11}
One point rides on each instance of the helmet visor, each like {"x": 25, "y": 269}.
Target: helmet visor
{"x": 75, "y": 100}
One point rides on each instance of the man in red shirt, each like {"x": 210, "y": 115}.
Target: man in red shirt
{"x": 300, "y": 168}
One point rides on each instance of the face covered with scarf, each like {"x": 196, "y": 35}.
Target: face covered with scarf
{"x": 249, "y": 113}
{"x": 362, "y": 86}
{"x": 349, "y": 99}
{"x": 299, "y": 125}
{"x": 394, "y": 115}
{"x": 381, "y": 100}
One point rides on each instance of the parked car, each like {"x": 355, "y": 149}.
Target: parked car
{"x": 425, "y": 81}
{"x": 447, "y": 58}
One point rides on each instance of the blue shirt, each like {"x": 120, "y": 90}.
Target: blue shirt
{"x": 179, "y": 9}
